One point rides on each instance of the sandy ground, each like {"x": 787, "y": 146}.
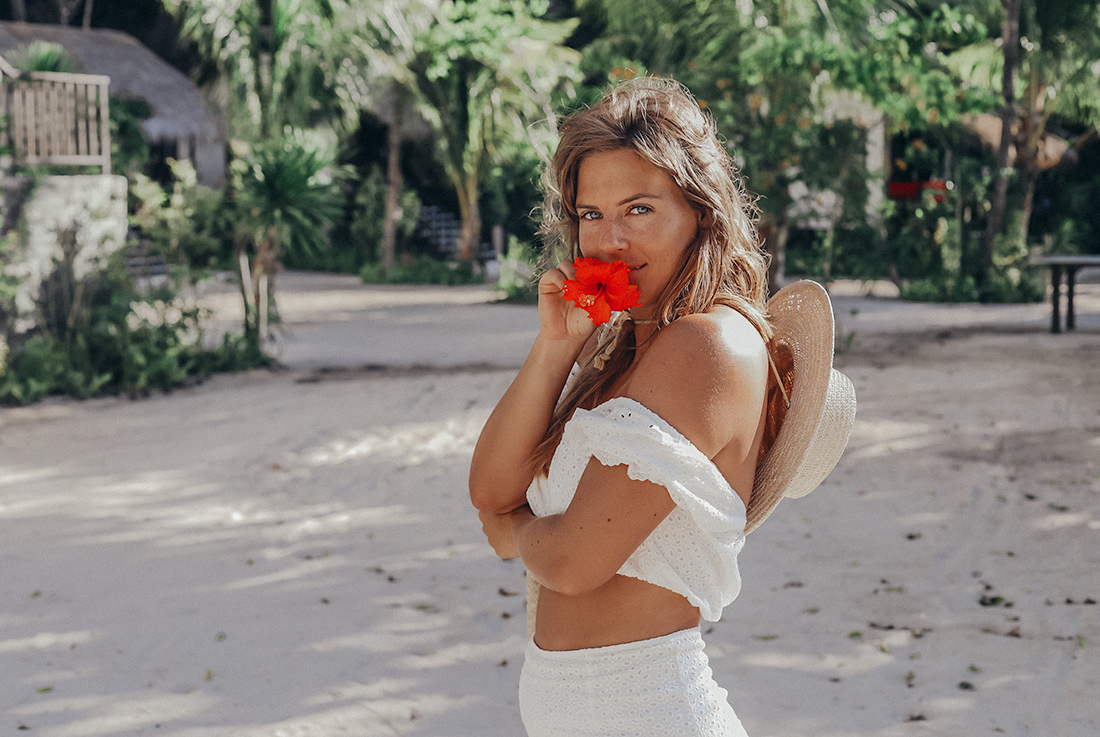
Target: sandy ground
{"x": 292, "y": 553}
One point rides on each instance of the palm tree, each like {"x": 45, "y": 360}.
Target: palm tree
{"x": 284, "y": 74}
{"x": 385, "y": 36}
{"x": 272, "y": 54}
{"x": 483, "y": 75}
{"x": 286, "y": 197}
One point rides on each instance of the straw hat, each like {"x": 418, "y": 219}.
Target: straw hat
{"x": 813, "y": 405}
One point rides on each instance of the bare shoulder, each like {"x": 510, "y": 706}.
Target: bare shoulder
{"x": 706, "y": 374}
{"x": 721, "y": 346}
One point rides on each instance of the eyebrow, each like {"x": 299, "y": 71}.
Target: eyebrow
{"x": 620, "y": 203}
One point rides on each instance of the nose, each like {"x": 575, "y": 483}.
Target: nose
{"x": 613, "y": 239}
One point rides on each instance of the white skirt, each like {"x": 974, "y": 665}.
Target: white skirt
{"x": 662, "y": 687}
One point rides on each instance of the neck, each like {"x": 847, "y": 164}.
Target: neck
{"x": 645, "y": 325}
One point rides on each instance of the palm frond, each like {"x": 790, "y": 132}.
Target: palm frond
{"x": 292, "y": 188}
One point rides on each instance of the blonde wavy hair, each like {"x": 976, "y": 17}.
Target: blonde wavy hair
{"x": 660, "y": 121}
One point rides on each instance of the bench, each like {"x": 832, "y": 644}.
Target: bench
{"x": 1069, "y": 264}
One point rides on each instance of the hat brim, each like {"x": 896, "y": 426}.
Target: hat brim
{"x": 815, "y": 429}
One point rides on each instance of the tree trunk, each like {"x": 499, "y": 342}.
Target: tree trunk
{"x": 1027, "y": 163}
{"x": 471, "y": 222}
{"x": 88, "y": 13}
{"x": 393, "y": 190}
{"x": 19, "y": 10}
{"x": 1010, "y": 35}
{"x": 773, "y": 233}
{"x": 250, "y": 327}
{"x": 1029, "y": 138}
{"x": 1029, "y": 201}
{"x": 265, "y": 264}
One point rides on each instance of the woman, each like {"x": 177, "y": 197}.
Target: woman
{"x": 633, "y": 532}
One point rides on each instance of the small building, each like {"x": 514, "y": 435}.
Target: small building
{"x": 181, "y": 126}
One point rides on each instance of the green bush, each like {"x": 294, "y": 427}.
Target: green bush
{"x": 422, "y": 270}
{"x": 933, "y": 289}
{"x": 105, "y": 338}
{"x": 370, "y": 213}
{"x": 38, "y": 369}
{"x": 855, "y": 252}
{"x": 185, "y": 223}
{"x": 517, "y": 273}
{"x": 129, "y": 150}
{"x": 43, "y": 56}
{"x": 1011, "y": 285}
{"x": 342, "y": 258}
{"x": 1014, "y": 284}
{"x": 121, "y": 353}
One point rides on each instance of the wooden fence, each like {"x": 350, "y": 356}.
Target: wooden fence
{"x": 55, "y": 118}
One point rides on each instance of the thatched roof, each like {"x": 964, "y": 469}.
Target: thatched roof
{"x": 988, "y": 127}
{"x": 135, "y": 72}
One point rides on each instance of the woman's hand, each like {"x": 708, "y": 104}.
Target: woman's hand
{"x": 498, "y": 530}
{"x": 558, "y": 318}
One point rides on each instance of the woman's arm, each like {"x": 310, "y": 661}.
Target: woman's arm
{"x": 581, "y": 549}
{"x": 500, "y": 470}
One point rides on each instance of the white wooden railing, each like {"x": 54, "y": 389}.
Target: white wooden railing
{"x": 55, "y": 119}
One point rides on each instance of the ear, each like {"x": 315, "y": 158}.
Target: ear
{"x": 702, "y": 219}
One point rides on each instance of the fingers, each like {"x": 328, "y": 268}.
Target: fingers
{"x": 561, "y": 319}
{"x": 487, "y": 518}
{"x": 567, "y": 269}
{"x": 490, "y": 526}
{"x": 554, "y": 279}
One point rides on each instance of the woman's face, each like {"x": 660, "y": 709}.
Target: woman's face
{"x": 631, "y": 211}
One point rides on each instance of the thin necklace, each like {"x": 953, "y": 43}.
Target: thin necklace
{"x": 641, "y": 322}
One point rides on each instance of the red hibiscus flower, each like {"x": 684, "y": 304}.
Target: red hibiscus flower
{"x": 601, "y": 287}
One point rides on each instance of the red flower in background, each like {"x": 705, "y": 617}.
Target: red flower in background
{"x": 601, "y": 288}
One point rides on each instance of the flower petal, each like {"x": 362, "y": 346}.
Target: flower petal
{"x": 621, "y": 294}
{"x": 574, "y": 291}
{"x": 601, "y": 287}
{"x": 592, "y": 272}
{"x": 600, "y": 311}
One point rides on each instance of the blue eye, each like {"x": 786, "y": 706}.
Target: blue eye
{"x": 591, "y": 215}
{"x": 641, "y": 209}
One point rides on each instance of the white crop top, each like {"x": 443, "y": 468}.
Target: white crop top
{"x": 693, "y": 552}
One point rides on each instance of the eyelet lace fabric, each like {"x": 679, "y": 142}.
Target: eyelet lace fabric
{"x": 693, "y": 552}
{"x": 654, "y": 688}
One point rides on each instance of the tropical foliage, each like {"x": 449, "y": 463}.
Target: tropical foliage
{"x": 781, "y": 77}
{"x": 284, "y": 71}
{"x": 286, "y": 198}
{"x": 273, "y": 56}
{"x": 388, "y": 43}
{"x": 42, "y": 56}
{"x": 1048, "y": 64}
{"x": 858, "y": 125}
{"x": 485, "y": 74}
{"x": 101, "y": 334}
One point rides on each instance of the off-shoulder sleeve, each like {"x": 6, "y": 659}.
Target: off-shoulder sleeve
{"x": 622, "y": 431}
{"x": 694, "y": 550}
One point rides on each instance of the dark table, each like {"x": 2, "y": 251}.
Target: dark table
{"x": 1070, "y": 265}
